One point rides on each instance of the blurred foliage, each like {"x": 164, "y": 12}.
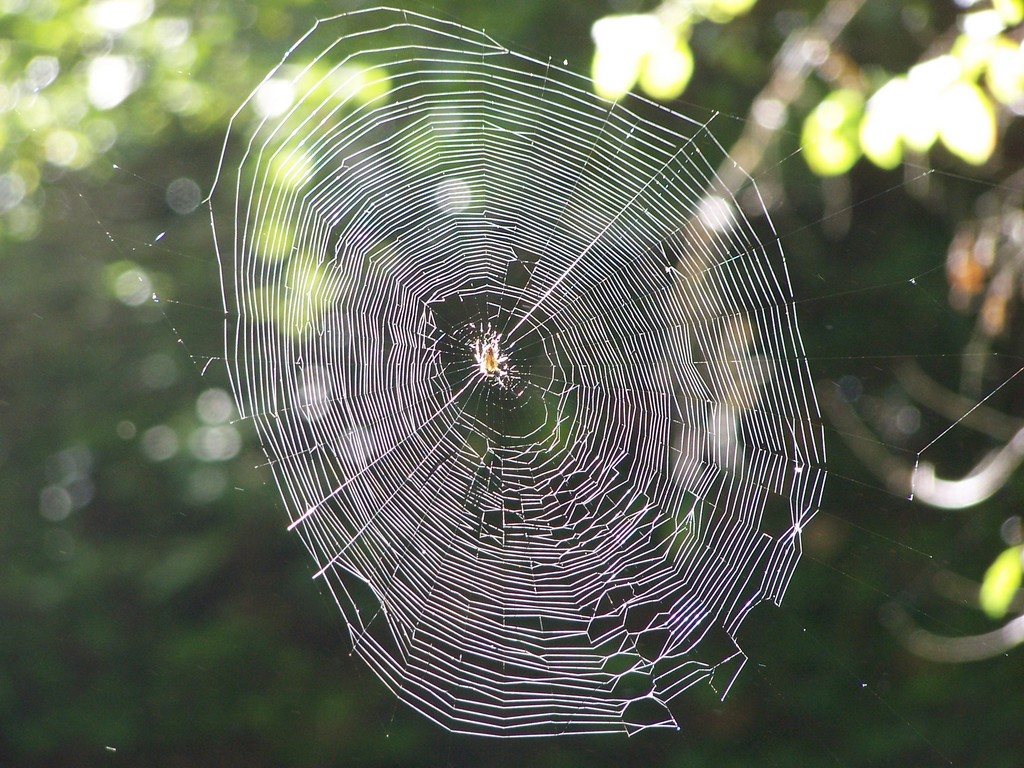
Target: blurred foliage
{"x": 1001, "y": 582}
{"x": 959, "y": 97}
{"x": 652, "y": 49}
{"x": 952, "y": 97}
{"x": 80, "y": 78}
{"x": 154, "y": 610}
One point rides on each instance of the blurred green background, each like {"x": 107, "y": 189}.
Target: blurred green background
{"x": 153, "y": 610}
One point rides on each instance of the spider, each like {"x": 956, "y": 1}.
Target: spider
{"x": 491, "y": 363}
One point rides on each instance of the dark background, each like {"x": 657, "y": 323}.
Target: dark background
{"x": 153, "y": 609}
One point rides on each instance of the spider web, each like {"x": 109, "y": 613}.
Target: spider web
{"x": 527, "y": 373}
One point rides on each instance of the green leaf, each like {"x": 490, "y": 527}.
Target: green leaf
{"x": 974, "y": 54}
{"x": 1001, "y": 582}
{"x": 1005, "y": 73}
{"x": 967, "y": 123}
{"x": 621, "y": 43}
{"x": 1011, "y": 11}
{"x": 921, "y": 104}
{"x": 881, "y": 137}
{"x": 640, "y": 47}
{"x": 724, "y": 11}
{"x": 829, "y": 138}
{"x": 667, "y": 70}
